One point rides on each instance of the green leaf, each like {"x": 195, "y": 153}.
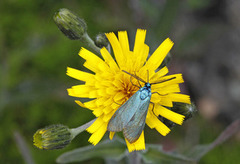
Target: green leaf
{"x": 114, "y": 149}
{"x": 200, "y": 150}
{"x": 197, "y": 5}
{"x": 155, "y": 154}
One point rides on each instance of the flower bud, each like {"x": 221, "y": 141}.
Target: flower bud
{"x": 101, "y": 40}
{"x": 188, "y": 110}
{"x": 52, "y": 137}
{"x": 70, "y": 24}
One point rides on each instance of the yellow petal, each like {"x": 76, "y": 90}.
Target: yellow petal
{"x": 129, "y": 62}
{"x": 98, "y": 111}
{"x": 155, "y": 99}
{"x": 150, "y": 119}
{"x": 93, "y": 62}
{"x": 173, "y": 88}
{"x": 114, "y": 106}
{"x": 108, "y": 59}
{"x": 138, "y": 145}
{"x": 177, "y": 97}
{"x": 177, "y": 78}
{"x": 79, "y": 75}
{"x": 165, "y": 101}
{"x": 162, "y": 72}
{"x": 139, "y": 41}
{"x": 96, "y": 125}
{"x": 102, "y": 92}
{"x": 123, "y": 40}
{"x": 119, "y": 96}
{"x": 91, "y": 104}
{"x": 80, "y": 103}
{"x": 153, "y": 122}
{"x": 93, "y": 94}
{"x": 158, "y": 56}
{"x": 141, "y": 50}
{"x": 108, "y": 101}
{"x": 117, "y": 49}
{"x": 106, "y": 83}
{"x": 80, "y": 91}
{"x": 138, "y": 62}
{"x": 162, "y": 128}
{"x": 168, "y": 114}
{"x": 111, "y": 90}
{"x": 107, "y": 109}
{"x": 131, "y": 147}
{"x": 117, "y": 83}
{"x": 111, "y": 135}
{"x": 108, "y": 116}
{"x": 98, "y": 134}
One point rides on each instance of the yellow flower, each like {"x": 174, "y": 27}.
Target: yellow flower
{"x": 109, "y": 86}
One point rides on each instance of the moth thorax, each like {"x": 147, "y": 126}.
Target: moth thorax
{"x": 145, "y": 92}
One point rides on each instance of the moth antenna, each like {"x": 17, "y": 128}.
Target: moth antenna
{"x": 138, "y": 81}
{"x": 164, "y": 80}
{"x": 136, "y": 77}
{"x": 148, "y": 76}
{"x": 134, "y": 84}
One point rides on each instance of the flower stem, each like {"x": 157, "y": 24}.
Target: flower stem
{"x": 134, "y": 158}
{"x": 78, "y": 130}
{"x": 86, "y": 39}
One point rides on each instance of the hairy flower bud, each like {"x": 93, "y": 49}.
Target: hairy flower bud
{"x": 52, "y": 137}
{"x": 188, "y": 110}
{"x": 101, "y": 40}
{"x": 70, "y": 24}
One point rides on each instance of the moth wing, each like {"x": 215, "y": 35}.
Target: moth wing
{"x": 135, "y": 126}
{"x": 124, "y": 113}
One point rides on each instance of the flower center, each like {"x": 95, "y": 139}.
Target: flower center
{"x": 129, "y": 90}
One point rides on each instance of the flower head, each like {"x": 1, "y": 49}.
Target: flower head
{"x": 109, "y": 86}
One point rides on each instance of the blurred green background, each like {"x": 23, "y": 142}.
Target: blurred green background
{"x": 34, "y": 55}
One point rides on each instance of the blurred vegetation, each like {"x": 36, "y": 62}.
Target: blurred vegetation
{"x": 34, "y": 55}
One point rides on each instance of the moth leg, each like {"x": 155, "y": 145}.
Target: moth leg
{"x": 160, "y": 94}
{"x": 117, "y": 103}
{"x": 153, "y": 108}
